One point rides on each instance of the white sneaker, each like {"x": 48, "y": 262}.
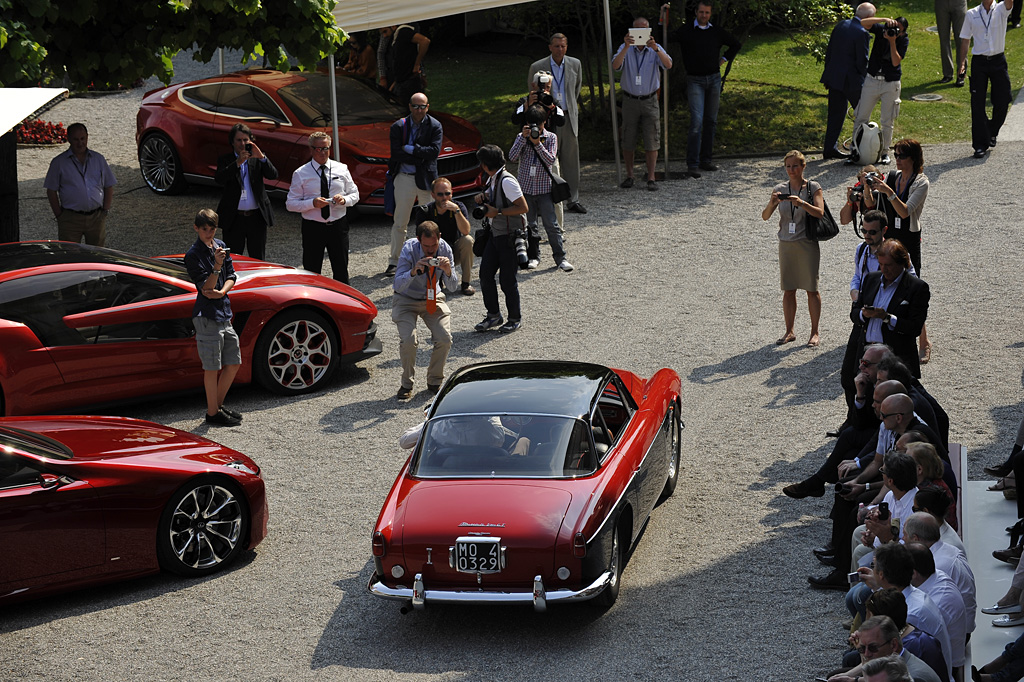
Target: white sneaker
{"x": 566, "y": 266}
{"x": 532, "y": 264}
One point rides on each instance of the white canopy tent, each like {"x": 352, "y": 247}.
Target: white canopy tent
{"x": 17, "y": 104}
{"x": 363, "y": 15}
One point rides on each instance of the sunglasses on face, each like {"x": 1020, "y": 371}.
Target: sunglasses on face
{"x": 871, "y": 232}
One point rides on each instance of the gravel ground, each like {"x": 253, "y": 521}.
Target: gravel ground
{"x": 685, "y": 278}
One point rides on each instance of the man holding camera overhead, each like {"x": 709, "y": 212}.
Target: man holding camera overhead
{"x": 244, "y": 208}
{"x": 424, "y": 271}
{"x": 564, "y": 87}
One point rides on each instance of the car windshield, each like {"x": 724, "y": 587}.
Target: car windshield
{"x": 359, "y": 102}
{"x": 509, "y": 445}
{"x": 32, "y": 443}
{"x": 23, "y": 255}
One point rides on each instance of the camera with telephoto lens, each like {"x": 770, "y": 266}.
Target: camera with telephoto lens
{"x": 535, "y": 131}
{"x": 521, "y": 255}
{"x": 892, "y": 31}
{"x": 479, "y": 212}
{"x": 545, "y": 98}
{"x": 843, "y": 488}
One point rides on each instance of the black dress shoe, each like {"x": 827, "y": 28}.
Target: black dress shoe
{"x": 708, "y": 166}
{"x": 946, "y": 79}
{"x": 835, "y": 580}
{"x": 992, "y": 141}
{"x": 834, "y": 154}
{"x": 799, "y": 491}
{"x": 577, "y": 208}
{"x": 827, "y": 549}
{"x": 998, "y": 471}
{"x": 1010, "y": 556}
{"x": 828, "y": 560}
{"x": 979, "y": 153}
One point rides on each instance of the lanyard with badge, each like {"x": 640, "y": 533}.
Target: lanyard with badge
{"x": 431, "y": 289}
{"x": 793, "y": 209}
{"x": 559, "y": 83}
{"x": 640, "y": 64}
{"x": 897, "y": 221}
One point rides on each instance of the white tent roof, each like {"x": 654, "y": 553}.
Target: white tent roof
{"x": 363, "y": 15}
{"x": 17, "y": 104}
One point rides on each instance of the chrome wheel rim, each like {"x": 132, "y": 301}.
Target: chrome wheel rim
{"x": 159, "y": 167}
{"x": 206, "y": 526}
{"x": 300, "y": 354}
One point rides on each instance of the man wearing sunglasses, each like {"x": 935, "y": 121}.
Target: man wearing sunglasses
{"x": 879, "y": 638}
{"x": 452, "y": 218}
{"x": 415, "y": 145}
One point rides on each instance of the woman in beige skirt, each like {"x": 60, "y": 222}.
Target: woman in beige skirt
{"x": 798, "y": 254}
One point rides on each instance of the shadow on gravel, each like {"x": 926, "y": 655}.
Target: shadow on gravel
{"x": 53, "y": 609}
{"x": 366, "y": 633}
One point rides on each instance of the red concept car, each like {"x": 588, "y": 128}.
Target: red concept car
{"x": 82, "y": 325}
{"x": 182, "y": 129}
{"x": 530, "y": 483}
{"x": 89, "y": 500}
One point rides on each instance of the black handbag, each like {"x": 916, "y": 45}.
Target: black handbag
{"x": 824, "y": 228}
{"x": 560, "y": 190}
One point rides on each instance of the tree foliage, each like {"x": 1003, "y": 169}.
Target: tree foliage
{"x": 104, "y": 43}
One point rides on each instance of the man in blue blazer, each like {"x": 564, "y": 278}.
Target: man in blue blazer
{"x": 244, "y": 208}
{"x": 415, "y": 145}
{"x": 846, "y": 62}
{"x": 892, "y": 306}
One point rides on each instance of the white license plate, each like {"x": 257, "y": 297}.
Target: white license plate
{"x": 478, "y": 555}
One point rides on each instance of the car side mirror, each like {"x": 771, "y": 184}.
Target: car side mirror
{"x": 47, "y": 481}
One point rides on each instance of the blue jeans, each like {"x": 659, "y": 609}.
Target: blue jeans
{"x": 542, "y": 204}
{"x": 704, "y": 94}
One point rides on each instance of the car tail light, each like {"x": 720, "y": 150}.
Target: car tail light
{"x": 579, "y": 546}
{"x": 378, "y": 544}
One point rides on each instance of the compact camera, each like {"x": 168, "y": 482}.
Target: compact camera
{"x": 433, "y": 262}
{"x": 872, "y": 177}
{"x": 857, "y": 193}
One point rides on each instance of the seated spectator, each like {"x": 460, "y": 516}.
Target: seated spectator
{"x": 936, "y": 500}
{"x": 362, "y": 59}
{"x": 894, "y": 567}
{"x": 946, "y": 595}
{"x": 878, "y": 640}
{"x": 922, "y": 527}
{"x": 899, "y": 475}
{"x": 930, "y": 471}
{"x": 888, "y": 669}
{"x": 891, "y": 602}
{"x": 926, "y": 407}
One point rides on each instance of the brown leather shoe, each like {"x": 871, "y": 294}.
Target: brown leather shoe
{"x": 1010, "y": 556}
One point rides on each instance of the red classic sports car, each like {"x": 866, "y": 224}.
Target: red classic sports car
{"x": 82, "y": 325}
{"x": 88, "y": 500}
{"x": 529, "y": 484}
{"x": 183, "y": 128}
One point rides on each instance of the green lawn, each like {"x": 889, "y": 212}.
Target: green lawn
{"x": 772, "y": 101}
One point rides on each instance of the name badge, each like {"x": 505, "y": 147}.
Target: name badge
{"x": 244, "y": 196}
{"x": 896, "y": 225}
{"x": 430, "y": 294}
{"x": 533, "y": 170}
{"x": 792, "y": 228}
{"x": 638, "y": 80}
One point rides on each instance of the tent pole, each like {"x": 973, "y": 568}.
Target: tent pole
{"x": 664, "y": 95}
{"x": 334, "y": 108}
{"x": 220, "y": 59}
{"x": 611, "y": 93}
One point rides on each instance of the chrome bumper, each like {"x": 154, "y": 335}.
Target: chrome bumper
{"x": 538, "y": 596}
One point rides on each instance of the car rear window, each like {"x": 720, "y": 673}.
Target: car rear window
{"x": 359, "y": 102}
{"x": 511, "y": 445}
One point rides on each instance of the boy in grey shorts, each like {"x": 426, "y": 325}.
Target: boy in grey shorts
{"x": 209, "y": 266}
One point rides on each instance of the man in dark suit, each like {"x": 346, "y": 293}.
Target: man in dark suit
{"x": 846, "y": 62}
{"x": 893, "y": 305}
{"x": 415, "y": 145}
{"x": 244, "y": 208}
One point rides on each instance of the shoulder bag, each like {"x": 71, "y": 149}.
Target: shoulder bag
{"x": 560, "y": 190}
{"x": 824, "y": 228}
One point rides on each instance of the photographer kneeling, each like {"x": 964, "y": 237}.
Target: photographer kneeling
{"x": 502, "y": 206}
{"x": 535, "y": 149}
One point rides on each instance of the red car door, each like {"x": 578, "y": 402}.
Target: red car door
{"x": 46, "y": 529}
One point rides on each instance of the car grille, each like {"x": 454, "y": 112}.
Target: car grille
{"x": 457, "y": 163}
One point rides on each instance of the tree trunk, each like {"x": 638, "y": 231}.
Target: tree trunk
{"x": 9, "y": 224}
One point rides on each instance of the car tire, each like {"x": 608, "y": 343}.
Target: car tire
{"x": 676, "y": 451}
{"x": 161, "y": 165}
{"x": 297, "y": 352}
{"x": 203, "y": 528}
{"x": 608, "y": 596}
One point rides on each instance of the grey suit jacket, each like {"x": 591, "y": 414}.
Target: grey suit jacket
{"x": 573, "y": 84}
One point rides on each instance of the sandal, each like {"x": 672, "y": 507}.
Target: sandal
{"x": 1004, "y": 483}
{"x": 785, "y": 338}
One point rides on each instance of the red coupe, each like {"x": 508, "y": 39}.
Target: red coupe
{"x": 529, "y": 484}
{"x": 89, "y": 500}
{"x": 182, "y": 129}
{"x": 82, "y": 325}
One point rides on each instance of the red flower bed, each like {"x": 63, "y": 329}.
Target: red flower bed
{"x": 38, "y": 131}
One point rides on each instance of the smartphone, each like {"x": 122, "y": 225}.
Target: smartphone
{"x": 640, "y": 35}
{"x": 785, "y": 197}
{"x": 248, "y": 147}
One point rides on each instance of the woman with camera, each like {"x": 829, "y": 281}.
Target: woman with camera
{"x": 501, "y": 203}
{"x": 798, "y": 254}
{"x": 902, "y": 195}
